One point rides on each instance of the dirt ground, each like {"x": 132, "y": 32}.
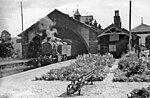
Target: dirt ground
{"x": 22, "y": 85}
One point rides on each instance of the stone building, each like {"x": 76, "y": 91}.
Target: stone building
{"x": 82, "y": 36}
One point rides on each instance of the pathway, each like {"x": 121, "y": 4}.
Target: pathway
{"x": 13, "y": 61}
{"x": 21, "y": 85}
{"x": 31, "y": 74}
{"x": 110, "y": 75}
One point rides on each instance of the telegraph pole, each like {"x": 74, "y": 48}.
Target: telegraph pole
{"x": 22, "y": 42}
{"x": 130, "y": 36}
{"x": 21, "y": 15}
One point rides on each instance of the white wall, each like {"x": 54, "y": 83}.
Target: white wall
{"x": 142, "y": 39}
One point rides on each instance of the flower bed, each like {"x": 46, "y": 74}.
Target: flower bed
{"x": 140, "y": 93}
{"x": 83, "y": 64}
{"x": 132, "y": 69}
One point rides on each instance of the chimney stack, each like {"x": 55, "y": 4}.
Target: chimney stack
{"x": 117, "y": 20}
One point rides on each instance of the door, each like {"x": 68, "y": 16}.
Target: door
{"x": 104, "y": 49}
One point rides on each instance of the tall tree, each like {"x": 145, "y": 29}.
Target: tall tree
{"x": 6, "y": 47}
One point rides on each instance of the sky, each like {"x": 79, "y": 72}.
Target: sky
{"x": 102, "y": 10}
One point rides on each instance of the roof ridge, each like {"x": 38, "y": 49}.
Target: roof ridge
{"x": 55, "y": 10}
{"x": 141, "y": 28}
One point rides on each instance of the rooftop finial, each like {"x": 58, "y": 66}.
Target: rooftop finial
{"x": 77, "y": 12}
{"x": 141, "y": 20}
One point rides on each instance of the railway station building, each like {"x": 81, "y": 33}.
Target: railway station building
{"x": 78, "y": 31}
{"x": 83, "y": 34}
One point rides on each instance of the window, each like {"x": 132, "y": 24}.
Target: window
{"x": 114, "y": 37}
{"x": 112, "y": 48}
{"x": 66, "y": 49}
{"x": 99, "y": 47}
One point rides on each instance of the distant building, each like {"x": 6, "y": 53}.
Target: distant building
{"x": 82, "y": 36}
{"x": 114, "y": 38}
{"x": 142, "y": 30}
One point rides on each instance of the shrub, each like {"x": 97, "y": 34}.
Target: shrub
{"x": 6, "y": 49}
{"x": 140, "y": 93}
{"x": 83, "y": 64}
{"x": 131, "y": 68}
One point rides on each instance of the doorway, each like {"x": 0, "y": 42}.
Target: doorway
{"x": 104, "y": 49}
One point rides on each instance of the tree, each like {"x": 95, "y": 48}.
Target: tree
{"x": 34, "y": 49}
{"x": 6, "y": 47}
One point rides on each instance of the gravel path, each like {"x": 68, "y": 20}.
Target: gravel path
{"x": 109, "y": 89}
{"x": 21, "y": 85}
{"x": 110, "y": 75}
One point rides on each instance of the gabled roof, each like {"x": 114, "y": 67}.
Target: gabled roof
{"x": 118, "y": 30}
{"x": 66, "y": 15}
{"x": 142, "y": 28}
{"x": 72, "y": 19}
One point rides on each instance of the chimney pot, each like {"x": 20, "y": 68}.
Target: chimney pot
{"x": 117, "y": 13}
{"x": 117, "y": 20}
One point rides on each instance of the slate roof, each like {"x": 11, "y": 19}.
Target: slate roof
{"x": 141, "y": 29}
{"x": 66, "y": 15}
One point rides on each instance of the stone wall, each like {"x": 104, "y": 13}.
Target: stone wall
{"x": 93, "y": 43}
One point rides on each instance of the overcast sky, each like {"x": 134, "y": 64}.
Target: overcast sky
{"x": 102, "y": 10}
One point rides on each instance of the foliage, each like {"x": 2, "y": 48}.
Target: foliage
{"x": 131, "y": 68}
{"x": 6, "y": 49}
{"x": 34, "y": 47}
{"x": 83, "y": 64}
{"x": 140, "y": 93}
{"x": 5, "y": 36}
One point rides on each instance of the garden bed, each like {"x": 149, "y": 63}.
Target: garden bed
{"x": 140, "y": 93}
{"x": 132, "y": 69}
{"x": 83, "y": 64}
